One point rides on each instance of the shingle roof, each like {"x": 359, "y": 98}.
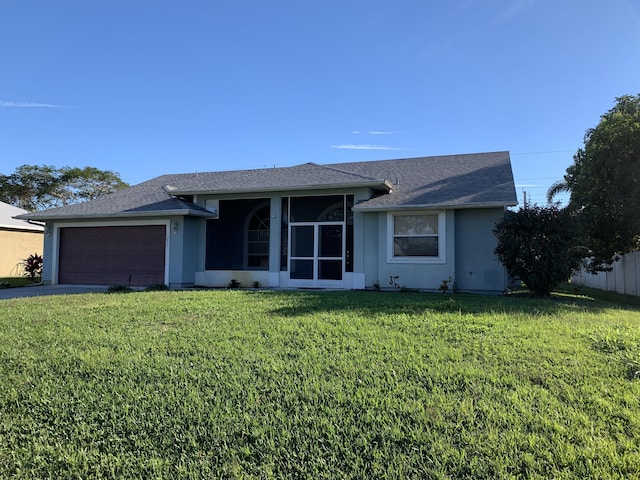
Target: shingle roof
{"x": 7, "y": 212}
{"x": 447, "y": 181}
{"x": 145, "y": 199}
{"x": 470, "y": 180}
{"x": 304, "y": 177}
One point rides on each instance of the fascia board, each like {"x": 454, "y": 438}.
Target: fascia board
{"x": 397, "y": 208}
{"x": 380, "y": 183}
{"x": 157, "y": 213}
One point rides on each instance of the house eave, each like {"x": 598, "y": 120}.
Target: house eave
{"x": 383, "y": 184}
{"x": 433, "y": 206}
{"x": 157, "y": 213}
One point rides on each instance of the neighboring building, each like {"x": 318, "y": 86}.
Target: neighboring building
{"x": 416, "y": 221}
{"x": 18, "y": 240}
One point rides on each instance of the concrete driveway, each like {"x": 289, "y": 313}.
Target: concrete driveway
{"x": 40, "y": 290}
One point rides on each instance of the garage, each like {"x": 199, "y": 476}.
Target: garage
{"x": 127, "y": 255}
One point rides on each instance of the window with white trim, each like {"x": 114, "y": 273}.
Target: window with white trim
{"x": 416, "y": 237}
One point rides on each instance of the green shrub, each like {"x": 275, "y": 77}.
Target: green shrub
{"x": 32, "y": 266}
{"x": 119, "y": 289}
{"x": 536, "y": 244}
{"x": 157, "y": 287}
{"x": 11, "y": 282}
{"x": 447, "y": 285}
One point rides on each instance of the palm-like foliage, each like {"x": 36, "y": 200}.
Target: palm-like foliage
{"x": 604, "y": 184}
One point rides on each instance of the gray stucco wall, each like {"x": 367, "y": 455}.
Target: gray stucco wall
{"x": 370, "y": 248}
{"x": 275, "y": 233}
{"x": 185, "y": 250}
{"x": 47, "y": 255}
{"x": 469, "y": 259}
{"x": 419, "y": 275}
{"x": 477, "y": 267}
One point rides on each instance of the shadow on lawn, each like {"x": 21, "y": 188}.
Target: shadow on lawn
{"x": 368, "y": 302}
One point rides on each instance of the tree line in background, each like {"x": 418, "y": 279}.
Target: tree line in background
{"x": 544, "y": 245}
{"x": 35, "y": 188}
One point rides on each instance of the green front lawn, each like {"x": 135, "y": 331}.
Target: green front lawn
{"x": 260, "y": 384}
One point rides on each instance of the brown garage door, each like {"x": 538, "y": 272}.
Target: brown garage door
{"x": 132, "y": 256}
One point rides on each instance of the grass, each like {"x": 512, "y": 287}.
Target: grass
{"x": 260, "y": 384}
{"x": 10, "y": 282}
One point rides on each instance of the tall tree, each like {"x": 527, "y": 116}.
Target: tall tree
{"x": 604, "y": 183}
{"x": 35, "y": 187}
{"x": 88, "y": 183}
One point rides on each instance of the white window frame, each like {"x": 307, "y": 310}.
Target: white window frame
{"x": 441, "y": 258}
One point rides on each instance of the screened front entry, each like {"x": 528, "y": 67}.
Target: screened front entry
{"x": 320, "y": 239}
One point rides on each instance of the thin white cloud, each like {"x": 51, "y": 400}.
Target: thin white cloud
{"x": 516, "y": 8}
{"x": 8, "y": 104}
{"x": 526, "y": 185}
{"x": 374, "y": 132}
{"x": 365, "y": 147}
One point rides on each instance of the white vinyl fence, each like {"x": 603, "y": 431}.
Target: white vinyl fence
{"x": 624, "y": 277}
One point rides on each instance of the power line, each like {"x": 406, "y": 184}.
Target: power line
{"x": 543, "y": 153}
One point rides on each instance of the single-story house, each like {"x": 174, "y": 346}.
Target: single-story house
{"x": 411, "y": 223}
{"x": 18, "y": 239}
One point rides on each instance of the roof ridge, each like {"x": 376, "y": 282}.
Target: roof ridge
{"x": 331, "y": 167}
{"x": 237, "y": 171}
{"x": 424, "y": 157}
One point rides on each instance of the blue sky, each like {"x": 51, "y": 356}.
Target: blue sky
{"x": 151, "y": 87}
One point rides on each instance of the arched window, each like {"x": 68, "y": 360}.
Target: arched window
{"x": 258, "y": 239}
